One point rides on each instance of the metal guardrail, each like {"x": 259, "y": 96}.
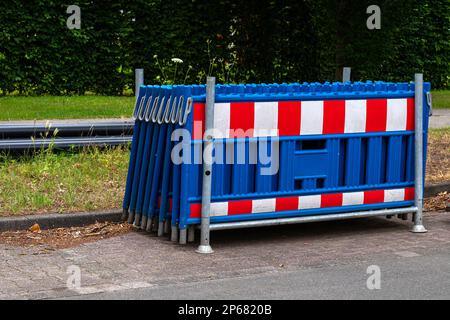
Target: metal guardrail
{"x": 63, "y": 143}
{"x": 65, "y": 134}
{"x": 68, "y": 127}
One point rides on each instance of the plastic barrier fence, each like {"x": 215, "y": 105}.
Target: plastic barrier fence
{"x": 280, "y": 151}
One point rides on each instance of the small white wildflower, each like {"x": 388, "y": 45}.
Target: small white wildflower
{"x": 155, "y": 56}
{"x": 177, "y": 60}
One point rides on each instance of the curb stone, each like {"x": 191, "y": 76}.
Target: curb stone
{"x": 434, "y": 189}
{"x": 58, "y": 220}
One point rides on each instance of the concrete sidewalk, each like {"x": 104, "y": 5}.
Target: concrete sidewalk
{"x": 137, "y": 262}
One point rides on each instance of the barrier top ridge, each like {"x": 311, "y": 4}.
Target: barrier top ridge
{"x": 300, "y": 91}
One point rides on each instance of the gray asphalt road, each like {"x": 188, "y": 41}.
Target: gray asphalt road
{"x": 406, "y": 275}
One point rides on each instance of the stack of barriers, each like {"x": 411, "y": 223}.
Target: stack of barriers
{"x": 282, "y": 153}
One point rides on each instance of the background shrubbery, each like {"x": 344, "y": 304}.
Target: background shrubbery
{"x": 241, "y": 41}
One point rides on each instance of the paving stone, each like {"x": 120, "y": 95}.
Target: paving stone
{"x": 137, "y": 260}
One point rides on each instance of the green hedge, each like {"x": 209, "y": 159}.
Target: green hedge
{"x": 249, "y": 41}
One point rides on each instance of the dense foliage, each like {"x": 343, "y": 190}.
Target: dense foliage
{"x": 238, "y": 41}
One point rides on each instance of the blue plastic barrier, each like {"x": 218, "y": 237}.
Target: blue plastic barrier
{"x": 332, "y": 147}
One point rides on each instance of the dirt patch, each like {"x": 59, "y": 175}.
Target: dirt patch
{"x": 63, "y": 237}
{"x": 437, "y": 203}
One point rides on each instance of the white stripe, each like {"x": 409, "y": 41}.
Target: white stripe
{"x": 309, "y": 202}
{"x": 263, "y": 205}
{"x": 397, "y": 110}
{"x": 219, "y": 209}
{"x": 353, "y": 198}
{"x": 311, "y": 117}
{"x": 221, "y": 120}
{"x": 394, "y": 195}
{"x": 266, "y": 119}
{"x": 355, "y": 116}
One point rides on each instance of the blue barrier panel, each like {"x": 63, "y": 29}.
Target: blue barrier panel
{"x": 134, "y": 149}
{"x": 280, "y": 150}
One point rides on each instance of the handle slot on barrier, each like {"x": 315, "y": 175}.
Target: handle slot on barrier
{"x": 173, "y": 111}
{"x": 430, "y": 102}
{"x": 144, "y": 111}
{"x": 187, "y": 111}
{"x": 162, "y": 115}
{"x": 138, "y": 109}
{"x": 310, "y": 145}
{"x": 141, "y": 112}
{"x": 157, "y": 114}
{"x": 150, "y": 112}
{"x": 309, "y": 183}
{"x": 177, "y": 116}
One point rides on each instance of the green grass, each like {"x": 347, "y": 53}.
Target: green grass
{"x": 85, "y": 107}
{"x": 64, "y": 107}
{"x": 441, "y": 99}
{"x": 92, "y": 179}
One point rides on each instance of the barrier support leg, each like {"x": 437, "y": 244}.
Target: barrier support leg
{"x": 144, "y": 222}
{"x": 137, "y": 220}
{"x": 131, "y": 217}
{"x": 160, "y": 228}
{"x": 155, "y": 225}
{"x": 183, "y": 236}
{"x": 418, "y": 141}
{"x": 208, "y": 145}
{"x": 124, "y": 215}
{"x": 174, "y": 234}
{"x": 167, "y": 226}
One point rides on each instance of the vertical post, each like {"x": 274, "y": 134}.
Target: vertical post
{"x": 208, "y": 145}
{"x": 138, "y": 80}
{"x": 418, "y": 156}
{"x": 346, "y": 74}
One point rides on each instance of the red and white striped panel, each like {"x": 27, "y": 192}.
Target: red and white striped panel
{"x": 237, "y": 207}
{"x": 294, "y": 118}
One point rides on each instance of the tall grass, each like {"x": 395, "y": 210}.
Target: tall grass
{"x": 69, "y": 181}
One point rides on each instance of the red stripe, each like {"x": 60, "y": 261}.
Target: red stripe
{"x": 286, "y": 204}
{"x": 410, "y": 125}
{"x": 409, "y": 194}
{"x": 199, "y": 119}
{"x": 239, "y": 207}
{"x": 242, "y": 119}
{"x": 331, "y": 200}
{"x": 291, "y": 203}
{"x": 170, "y": 203}
{"x": 196, "y": 210}
{"x": 376, "y": 115}
{"x": 289, "y": 113}
{"x": 375, "y": 196}
{"x": 333, "y": 116}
